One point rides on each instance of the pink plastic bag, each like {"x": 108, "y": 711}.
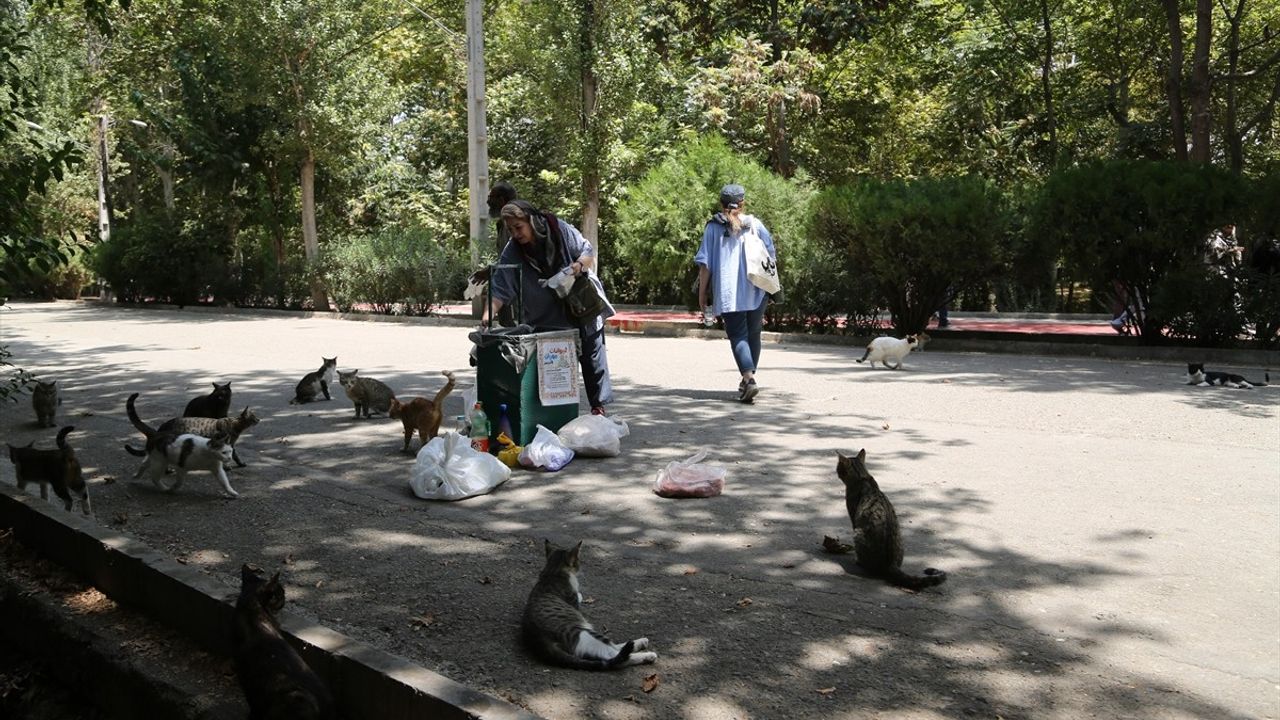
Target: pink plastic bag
{"x": 690, "y": 478}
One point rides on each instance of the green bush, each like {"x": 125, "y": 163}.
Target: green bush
{"x": 662, "y": 217}
{"x": 923, "y": 241}
{"x": 1133, "y": 223}
{"x": 158, "y": 258}
{"x": 1197, "y": 303}
{"x": 393, "y": 270}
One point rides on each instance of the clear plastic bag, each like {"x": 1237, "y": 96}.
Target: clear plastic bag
{"x": 690, "y": 478}
{"x": 448, "y": 469}
{"x": 594, "y": 435}
{"x": 545, "y": 451}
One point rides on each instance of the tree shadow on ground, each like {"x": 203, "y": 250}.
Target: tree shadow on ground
{"x": 749, "y": 616}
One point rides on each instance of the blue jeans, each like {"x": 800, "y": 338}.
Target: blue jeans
{"x": 744, "y": 336}
{"x": 595, "y": 366}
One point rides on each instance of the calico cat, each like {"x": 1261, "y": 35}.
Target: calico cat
{"x": 276, "y": 681}
{"x": 369, "y": 395}
{"x": 884, "y": 350}
{"x": 1196, "y": 375}
{"x": 421, "y": 414}
{"x": 59, "y": 468}
{"x": 877, "y": 541}
{"x": 316, "y": 382}
{"x": 187, "y": 452}
{"x": 214, "y": 405}
{"x": 555, "y": 628}
{"x": 205, "y": 427}
{"x": 45, "y": 401}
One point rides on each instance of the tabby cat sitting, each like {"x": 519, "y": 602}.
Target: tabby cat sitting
{"x": 367, "y": 394}
{"x": 877, "y": 541}
{"x": 45, "y": 401}
{"x": 59, "y": 468}
{"x": 277, "y": 682}
{"x": 421, "y": 414}
{"x": 555, "y": 628}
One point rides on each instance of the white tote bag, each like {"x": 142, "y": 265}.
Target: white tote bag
{"x": 762, "y": 270}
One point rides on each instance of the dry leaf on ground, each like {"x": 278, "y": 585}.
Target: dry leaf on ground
{"x": 651, "y": 683}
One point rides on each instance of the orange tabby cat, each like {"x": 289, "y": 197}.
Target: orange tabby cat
{"x": 421, "y": 414}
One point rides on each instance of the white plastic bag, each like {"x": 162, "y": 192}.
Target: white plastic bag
{"x": 561, "y": 282}
{"x": 448, "y": 469}
{"x": 762, "y": 270}
{"x": 690, "y": 478}
{"x": 594, "y": 435}
{"x": 545, "y": 451}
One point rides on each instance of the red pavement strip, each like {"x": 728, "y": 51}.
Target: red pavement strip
{"x": 634, "y": 321}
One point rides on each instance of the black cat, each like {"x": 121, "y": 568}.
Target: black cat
{"x": 214, "y": 405}
{"x": 277, "y": 682}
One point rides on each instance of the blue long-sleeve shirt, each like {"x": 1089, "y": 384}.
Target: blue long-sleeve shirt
{"x": 722, "y": 253}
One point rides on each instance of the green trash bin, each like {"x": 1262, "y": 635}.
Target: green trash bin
{"x": 509, "y": 370}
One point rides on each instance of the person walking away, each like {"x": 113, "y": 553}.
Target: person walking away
{"x": 721, "y": 261}
{"x": 545, "y": 246}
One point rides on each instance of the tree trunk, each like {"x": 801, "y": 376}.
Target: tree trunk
{"x": 590, "y": 132}
{"x": 1046, "y": 85}
{"x": 1231, "y": 130}
{"x": 310, "y": 239}
{"x": 1201, "y": 85}
{"x": 1173, "y": 80}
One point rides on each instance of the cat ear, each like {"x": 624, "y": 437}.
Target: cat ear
{"x": 862, "y": 455}
{"x": 547, "y": 547}
{"x": 573, "y": 554}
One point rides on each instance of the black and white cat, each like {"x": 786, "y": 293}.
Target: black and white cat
{"x": 1197, "y": 375}
{"x": 889, "y": 351}
{"x": 187, "y": 452}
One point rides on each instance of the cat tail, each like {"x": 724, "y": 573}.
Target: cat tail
{"x": 62, "y": 437}
{"x": 144, "y": 428}
{"x": 134, "y": 451}
{"x": 931, "y": 577}
{"x": 864, "y": 355}
{"x": 444, "y": 391}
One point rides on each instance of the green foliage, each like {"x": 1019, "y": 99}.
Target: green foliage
{"x": 661, "y": 220}
{"x": 1197, "y": 303}
{"x": 1132, "y": 223}
{"x": 922, "y": 240}
{"x": 161, "y": 259}
{"x": 401, "y": 271}
{"x": 13, "y": 382}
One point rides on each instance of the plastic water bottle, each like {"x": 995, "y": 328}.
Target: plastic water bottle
{"x": 479, "y": 429}
{"x": 463, "y": 425}
{"x": 504, "y": 422}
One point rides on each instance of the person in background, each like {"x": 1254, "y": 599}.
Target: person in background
{"x": 740, "y": 304}
{"x": 544, "y": 246}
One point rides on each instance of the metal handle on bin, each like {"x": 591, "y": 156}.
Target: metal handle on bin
{"x": 519, "y": 268}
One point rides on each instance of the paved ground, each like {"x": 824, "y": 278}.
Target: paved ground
{"x": 1112, "y": 536}
{"x": 631, "y": 317}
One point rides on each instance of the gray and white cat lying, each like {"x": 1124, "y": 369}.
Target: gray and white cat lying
{"x": 556, "y": 630}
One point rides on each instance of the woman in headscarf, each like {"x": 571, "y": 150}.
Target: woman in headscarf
{"x": 545, "y": 246}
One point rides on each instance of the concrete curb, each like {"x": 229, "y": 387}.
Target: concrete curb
{"x": 1013, "y": 343}
{"x": 366, "y": 682}
{"x": 103, "y": 675}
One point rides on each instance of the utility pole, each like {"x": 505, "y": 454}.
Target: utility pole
{"x": 477, "y": 139}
